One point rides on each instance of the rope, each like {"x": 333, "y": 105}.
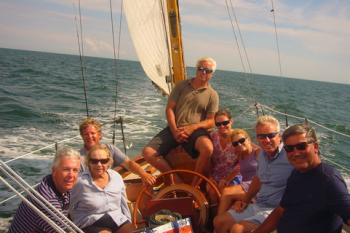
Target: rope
{"x": 337, "y": 164}
{"x": 32, "y": 152}
{"x": 303, "y": 118}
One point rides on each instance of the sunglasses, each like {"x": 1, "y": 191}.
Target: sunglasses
{"x": 205, "y": 70}
{"x": 240, "y": 141}
{"x": 224, "y": 123}
{"x": 299, "y": 146}
{"x": 96, "y": 161}
{"x": 266, "y": 135}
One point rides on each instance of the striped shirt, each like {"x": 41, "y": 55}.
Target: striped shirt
{"x": 26, "y": 220}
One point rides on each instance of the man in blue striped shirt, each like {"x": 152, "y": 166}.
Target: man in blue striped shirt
{"x": 55, "y": 188}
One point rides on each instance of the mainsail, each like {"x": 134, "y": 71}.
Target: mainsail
{"x": 148, "y": 29}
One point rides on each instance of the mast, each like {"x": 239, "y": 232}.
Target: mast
{"x": 176, "y": 48}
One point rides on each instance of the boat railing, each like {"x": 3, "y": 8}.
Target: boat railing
{"x": 39, "y": 200}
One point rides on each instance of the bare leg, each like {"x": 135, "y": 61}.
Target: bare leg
{"x": 205, "y": 148}
{"x": 243, "y": 227}
{"x": 159, "y": 162}
{"x": 229, "y": 196}
{"x": 223, "y": 223}
{"x": 155, "y": 160}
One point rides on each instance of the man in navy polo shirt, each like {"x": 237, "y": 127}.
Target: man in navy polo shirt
{"x": 316, "y": 197}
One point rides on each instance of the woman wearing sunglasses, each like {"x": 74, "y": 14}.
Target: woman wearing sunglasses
{"x": 247, "y": 153}
{"x": 98, "y": 201}
{"x": 224, "y": 166}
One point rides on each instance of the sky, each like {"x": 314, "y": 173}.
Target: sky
{"x": 313, "y": 35}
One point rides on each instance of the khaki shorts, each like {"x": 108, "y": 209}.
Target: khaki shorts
{"x": 253, "y": 213}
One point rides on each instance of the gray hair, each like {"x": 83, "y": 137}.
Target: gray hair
{"x": 65, "y": 152}
{"x": 310, "y": 133}
{"x": 207, "y": 59}
{"x": 262, "y": 120}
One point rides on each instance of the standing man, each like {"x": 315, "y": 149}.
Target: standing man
{"x": 90, "y": 131}
{"x": 190, "y": 113}
{"x": 267, "y": 187}
{"x": 56, "y": 189}
{"x": 316, "y": 198}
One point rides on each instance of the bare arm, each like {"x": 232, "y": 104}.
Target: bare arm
{"x": 137, "y": 169}
{"x": 254, "y": 188}
{"x": 205, "y": 124}
{"x": 271, "y": 221}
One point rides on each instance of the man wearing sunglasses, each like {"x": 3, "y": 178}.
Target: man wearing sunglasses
{"x": 190, "y": 113}
{"x": 266, "y": 188}
{"x": 316, "y": 197}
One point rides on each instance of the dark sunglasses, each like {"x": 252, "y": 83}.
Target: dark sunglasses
{"x": 299, "y": 146}
{"x": 240, "y": 141}
{"x": 205, "y": 70}
{"x": 266, "y": 135}
{"x": 224, "y": 123}
{"x": 96, "y": 161}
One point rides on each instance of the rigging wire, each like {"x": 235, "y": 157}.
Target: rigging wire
{"x": 115, "y": 66}
{"x": 276, "y": 37}
{"x": 278, "y": 51}
{"x": 249, "y": 77}
{"x": 81, "y": 55}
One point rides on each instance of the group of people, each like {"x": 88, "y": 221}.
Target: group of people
{"x": 279, "y": 183}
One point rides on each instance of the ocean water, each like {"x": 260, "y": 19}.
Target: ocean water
{"x": 42, "y": 103}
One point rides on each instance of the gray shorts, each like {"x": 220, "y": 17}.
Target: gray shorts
{"x": 253, "y": 213}
{"x": 164, "y": 141}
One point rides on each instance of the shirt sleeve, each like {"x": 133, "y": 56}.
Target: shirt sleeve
{"x": 338, "y": 196}
{"x": 118, "y": 156}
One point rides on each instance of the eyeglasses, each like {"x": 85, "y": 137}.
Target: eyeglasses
{"x": 96, "y": 161}
{"x": 224, "y": 123}
{"x": 266, "y": 135}
{"x": 299, "y": 146}
{"x": 240, "y": 141}
{"x": 205, "y": 70}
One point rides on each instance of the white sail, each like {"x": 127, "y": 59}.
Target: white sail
{"x": 147, "y": 27}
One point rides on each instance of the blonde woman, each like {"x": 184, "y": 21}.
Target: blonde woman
{"x": 99, "y": 202}
{"x": 247, "y": 153}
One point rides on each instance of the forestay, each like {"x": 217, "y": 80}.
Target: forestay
{"x": 148, "y": 29}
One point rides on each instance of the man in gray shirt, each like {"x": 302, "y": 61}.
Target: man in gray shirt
{"x": 190, "y": 113}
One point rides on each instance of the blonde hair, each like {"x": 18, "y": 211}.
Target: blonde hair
{"x": 239, "y": 131}
{"x": 87, "y": 122}
{"x": 99, "y": 147}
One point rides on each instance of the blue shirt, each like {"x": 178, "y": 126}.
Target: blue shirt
{"x": 89, "y": 202}
{"x": 273, "y": 175}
